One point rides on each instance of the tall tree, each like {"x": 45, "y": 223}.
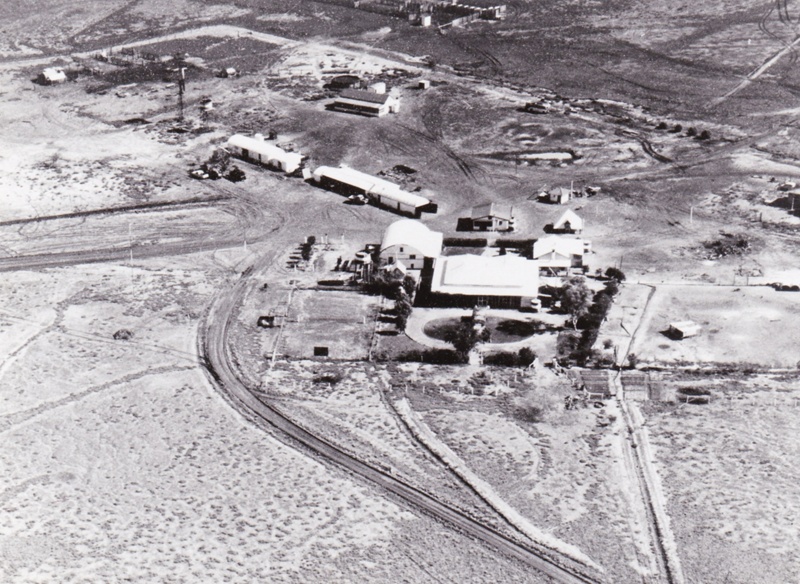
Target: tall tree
{"x": 576, "y": 298}
{"x": 466, "y": 337}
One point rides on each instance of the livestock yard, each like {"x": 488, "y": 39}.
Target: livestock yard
{"x": 495, "y": 294}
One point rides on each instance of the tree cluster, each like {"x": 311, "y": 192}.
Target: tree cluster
{"x": 524, "y": 357}
{"x": 466, "y": 337}
{"x": 587, "y": 312}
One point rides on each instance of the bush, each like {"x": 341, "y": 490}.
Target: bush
{"x": 677, "y": 128}
{"x": 612, "y": 288}
{"x": 526, "y": 356}
{"x": 123, "y": 335}
{"x": 661, "y": 126}
{"x": 433, "y": 356}
{"x": 465, "y": 242}
{"x": 441, "y": 356}
{"x": 413, "y": 356}
{"x": 514, "y": 243}
{"x": 566, "y": 343}
{"x": 691, "y": 132}
{"x": 704, "y": 135}
{"x": 616, "y": 274}
{"x": 501, "y": 359}
{"x": 329, "y": 377}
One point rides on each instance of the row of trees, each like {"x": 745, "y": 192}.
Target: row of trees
{"x": 587, "y": 311}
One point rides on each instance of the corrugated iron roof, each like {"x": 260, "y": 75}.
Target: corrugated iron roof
{"x": 367, "y": 96}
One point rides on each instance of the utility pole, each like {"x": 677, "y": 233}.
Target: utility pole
{"x": 181, "y": 90}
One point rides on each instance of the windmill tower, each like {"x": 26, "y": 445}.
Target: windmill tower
{"x": 181, "y": 90}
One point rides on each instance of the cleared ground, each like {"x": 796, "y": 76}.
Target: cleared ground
{"x": 754, "y": 325}
{"x": 174, "y": 487}
{"x": 729, "y": 478}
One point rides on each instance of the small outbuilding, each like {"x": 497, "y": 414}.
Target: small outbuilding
{"x": 492, "y": 217}
{"x": 52, "y": 76}
{"x": 683, "y": 329}
{"x": 559, "y": 195}
{"x": 569, "y": 222}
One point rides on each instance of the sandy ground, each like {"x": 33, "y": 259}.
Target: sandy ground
{"x": 563, "y": 472}
{"x": 729, "y": 481}
{"x": 753, "y": 325}
{"x": 122, "y": 463}
{"x": 133, "y": 465}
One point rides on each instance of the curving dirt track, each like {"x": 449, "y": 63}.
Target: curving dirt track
{"x": 214, "y": 351}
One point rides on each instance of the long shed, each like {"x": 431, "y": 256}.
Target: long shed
{"x": 348, "y": 181}
{"x": 259, "y": 151}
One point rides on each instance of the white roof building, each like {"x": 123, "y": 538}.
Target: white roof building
{"x": 52, "y": 75}
{"x": 472, "y": 275}
{"x": 263, "y": 152}
{"x": 409, "y": 242}
{"x": 379, "y": 190}
{"x": 569, "y": 221}
{"x": 368, "y": 103}
{"x": 492, "y": 217}
{"x": 684, "y": 329}
{"x": 560, "y": 252}
{"x": 559, "y": 195}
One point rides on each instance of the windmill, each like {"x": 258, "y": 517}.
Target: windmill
{"x": 181, "y": 90}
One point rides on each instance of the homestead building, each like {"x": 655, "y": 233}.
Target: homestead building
{"x": 410, "y": 244}
{"x": 492, "y": 217}
{"x": 569, "y": 222}
{"x": 468, "y": 280}
{"x": 560, "y": 254}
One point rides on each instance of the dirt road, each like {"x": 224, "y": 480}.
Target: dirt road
{"x": 214, "y": 350}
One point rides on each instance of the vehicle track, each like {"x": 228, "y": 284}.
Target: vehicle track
{"x": 216, "y": 355}
{"x": 122, "y": 209}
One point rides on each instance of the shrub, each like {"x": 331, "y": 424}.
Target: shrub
{"x": 123, "y": 335}
{"x": 526, "y": 356}
{"x": 502, "y": 359}
{"x": 410, "y": 356}
{"x": 691, "y": 132}
{"x": 441, "y": 357}
{"x": 616, "y": 274}
{"x": 704, "y": 135}
{"x": 465, "y": 242}
{"x": 331, "y": 377}
{"x": 661, "y": 126}
{"x": 566, "y": 343}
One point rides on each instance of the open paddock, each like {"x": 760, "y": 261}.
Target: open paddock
{"x": 341, "y": 321}
{"x": 755, "y": 325}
